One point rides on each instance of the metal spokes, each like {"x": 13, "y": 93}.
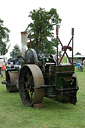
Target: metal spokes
{"x": 28, "y": 85}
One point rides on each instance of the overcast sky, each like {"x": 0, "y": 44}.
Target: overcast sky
{"x": 15, "y": 13}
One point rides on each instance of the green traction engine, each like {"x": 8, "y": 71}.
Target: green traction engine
{"x": 42, "y": 76}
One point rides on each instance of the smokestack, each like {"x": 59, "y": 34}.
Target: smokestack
{"x": 23, "y": 43}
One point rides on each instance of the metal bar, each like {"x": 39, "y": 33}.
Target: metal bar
{"x": 57, "y": 42}
{"x": 68, "y": 57}
{"x": 62, "y": 47}
{"x": 72, "y": 43}
{"x": 62, "y": 57}
{"x": 60, "y": 42}
{"x": 69, "y": 42}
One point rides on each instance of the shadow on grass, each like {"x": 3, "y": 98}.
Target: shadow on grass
{"x": 52, "y": 104}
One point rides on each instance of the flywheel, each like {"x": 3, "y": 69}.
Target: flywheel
{"x": 30, "y": 81}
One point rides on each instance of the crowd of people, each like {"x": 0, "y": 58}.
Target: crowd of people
{"x": 2, "y": 66}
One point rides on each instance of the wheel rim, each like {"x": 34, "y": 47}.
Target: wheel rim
{"x": 8, "y": 85}
{"x": 28, "y": 85}
{"x": 11, "y": 78}
{"x": 28, "y": 92}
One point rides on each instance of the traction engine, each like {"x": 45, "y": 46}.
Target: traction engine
{"x": 42, "y": 76}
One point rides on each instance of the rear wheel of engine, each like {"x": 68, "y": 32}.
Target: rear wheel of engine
{"x": 12, "y": 81}
{"x": 29, "y": 92}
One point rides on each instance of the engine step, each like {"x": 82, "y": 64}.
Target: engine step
{"x": 4, "y": 82}
{"x": 47, "y": 86}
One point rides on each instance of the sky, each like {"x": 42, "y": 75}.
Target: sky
{"x": 15, "y": 13}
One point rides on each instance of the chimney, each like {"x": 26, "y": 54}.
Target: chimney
{"x": 23, "y": 43}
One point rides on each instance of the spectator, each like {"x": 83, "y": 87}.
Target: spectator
{"x": 8, "y": 65}
{"x": 1, "y": 64}
{"x": 84, "y": 63}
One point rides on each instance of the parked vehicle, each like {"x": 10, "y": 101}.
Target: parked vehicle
{"x": 41, "y": 76}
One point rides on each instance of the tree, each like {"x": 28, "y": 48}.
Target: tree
{"x": 4, "y": 38}
{"x": 78, "y": 53}
{"x": 41, "y": 30}
{"x": 15, "y": 52}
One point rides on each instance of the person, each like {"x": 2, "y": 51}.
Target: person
{"x": 79, "y": 67}
{"x": 8, "y": 65}
{"x": 1, "y": 64}
{"x": 84, "y": 63}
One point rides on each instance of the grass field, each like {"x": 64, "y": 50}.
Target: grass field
{"x": 13, "y": 114}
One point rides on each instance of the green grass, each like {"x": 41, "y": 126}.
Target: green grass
{"x": 13, "y": 114}
{"x": 64, "y": 60}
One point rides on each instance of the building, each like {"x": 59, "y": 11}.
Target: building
{"x": 76, "y": 58}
